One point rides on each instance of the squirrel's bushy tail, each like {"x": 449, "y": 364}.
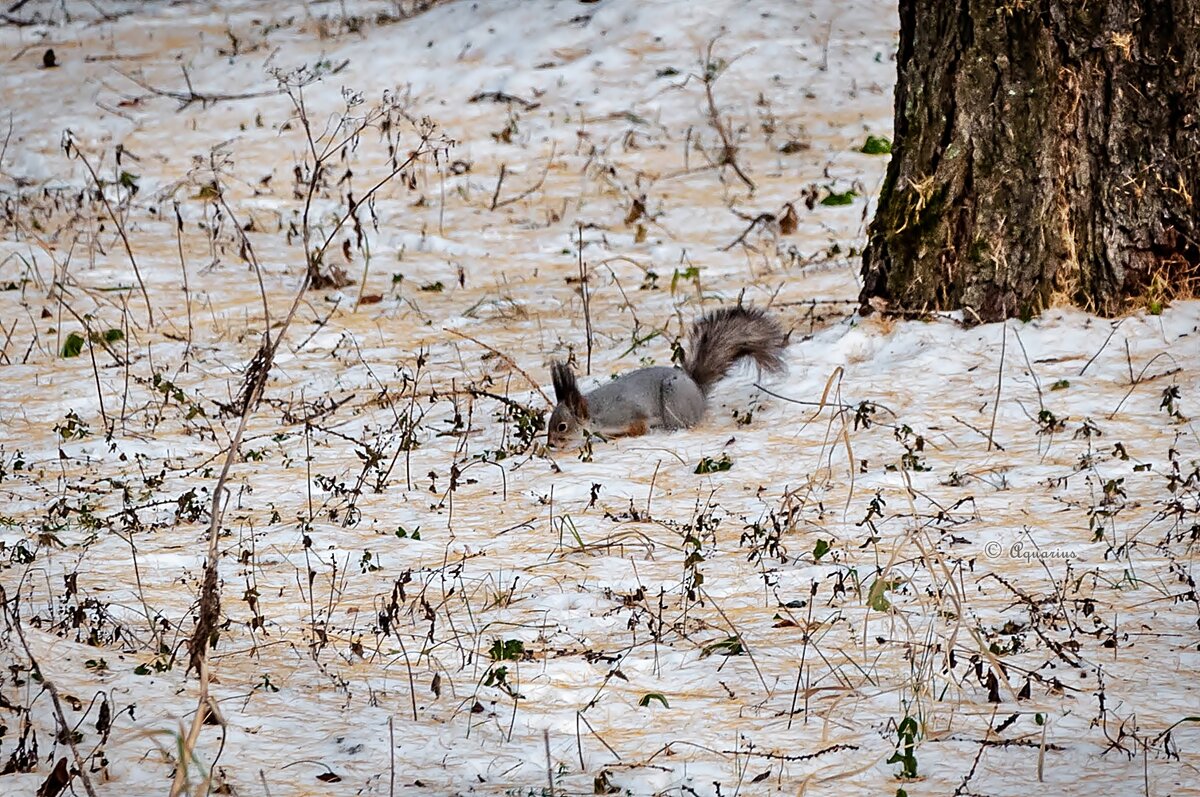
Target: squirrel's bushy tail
{"x": 721, "y": 338}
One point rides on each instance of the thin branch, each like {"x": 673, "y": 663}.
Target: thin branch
{"x": 186, "y": 98}
{"x": 991, "y": 435}
{"x": 761, "y": 218}
{"x": 80, "y": 764}
{"x": 712, "y": 71}
{"x": 70, "y": 146}
{"x": 501, "y": 97}
{"x": 532, "y": 189}
{"x": 512, "y": 364}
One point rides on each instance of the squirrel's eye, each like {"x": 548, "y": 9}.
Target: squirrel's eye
{"x": 562, "y": 427}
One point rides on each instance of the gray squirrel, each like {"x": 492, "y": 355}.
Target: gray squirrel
{"x": 663, "y": 397}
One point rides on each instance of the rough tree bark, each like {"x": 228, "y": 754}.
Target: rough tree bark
{"x": 1046, "y": 151}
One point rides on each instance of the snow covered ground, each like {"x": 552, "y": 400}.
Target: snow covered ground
{"x": 941, "y": 558}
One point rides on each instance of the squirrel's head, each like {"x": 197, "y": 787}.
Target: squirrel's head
{"x": 570, "y": 412}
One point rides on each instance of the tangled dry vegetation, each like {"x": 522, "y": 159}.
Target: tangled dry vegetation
{"x": 277, "y": 517}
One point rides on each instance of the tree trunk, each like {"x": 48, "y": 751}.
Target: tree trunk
{"x": 1046, "y": 152}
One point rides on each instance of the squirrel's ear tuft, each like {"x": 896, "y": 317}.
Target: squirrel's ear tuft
{"x": 565, "y": 388}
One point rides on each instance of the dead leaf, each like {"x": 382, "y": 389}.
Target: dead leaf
{"x": 57, "y": 781}
{"x": 636, "y": 210}
{"x": 789, "y": 220}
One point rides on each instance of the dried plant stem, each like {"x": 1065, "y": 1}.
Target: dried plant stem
{"x": 549, "y": 761}
{"x": 511, "y": 363}
{"x": 499, "y": 182}
{"x": 96, "y": 374}
{"x": 362, "y": 285}
{"x": 728, "y": 148}
{"x": 999, "y": 384}
{"x": 256, "y": 379}
{"x": 73, "y": 147}
{"x": 248, "y": 252}
{"x": 587, "y": 304}
{"x": 8, "y": 333}
{"x": 186, "y": 98}
{"x": 187, "y": 294}
{"x": 188, "y": 744}
{"x": 733, "y": 629}
{"x": 80, "y": 764}
{"x": 210, "y": 598}
{"x": 533, "y": 189}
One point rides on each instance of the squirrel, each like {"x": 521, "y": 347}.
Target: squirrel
{"x": 665, "y": 397}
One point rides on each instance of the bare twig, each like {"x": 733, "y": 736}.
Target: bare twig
{"x": 587, "y": 304}
{"x": 1103, "y": 346}
{"x": 512, "y": 364}
{"x": 187, "y": 294}
{"x": 255, "y": 382}
{"x": 499, "y": 182}
{"x": 80, "y": 764}
{"x": 247, "y": 250}
{"x": 712, "y": 69}
{"x": 70, "y": 146}
{"x": 501, "y": 97}
{"x": 549, "y": 761}
{"x": 761, "y": 218}
{"x": 529, "y": 191}
{"x": 991, "y": 435}
{"x": 190, "y": 96}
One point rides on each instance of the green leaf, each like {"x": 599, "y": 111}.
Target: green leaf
{"x": 844, "y": 198}
{"x": 496, "y": 676}
{"x": 507, "y": 650}
{"x": 730, "y": 646}
{"x": 876, "y": 145}
{"x": 820, "y": 549}
{"x": 876, "y": 598}
{"x": 710, "y": 465}
{"x": 645, "y": 701}
{"x": 689, "y": 274}
{"x": 128, "y": 180}
{"x": 113, "y": 335}
{"x": 434, "y": 287}
{"x": 73, "y": 345}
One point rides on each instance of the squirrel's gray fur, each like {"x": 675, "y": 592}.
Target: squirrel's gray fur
{"x": 661, "y": 397}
